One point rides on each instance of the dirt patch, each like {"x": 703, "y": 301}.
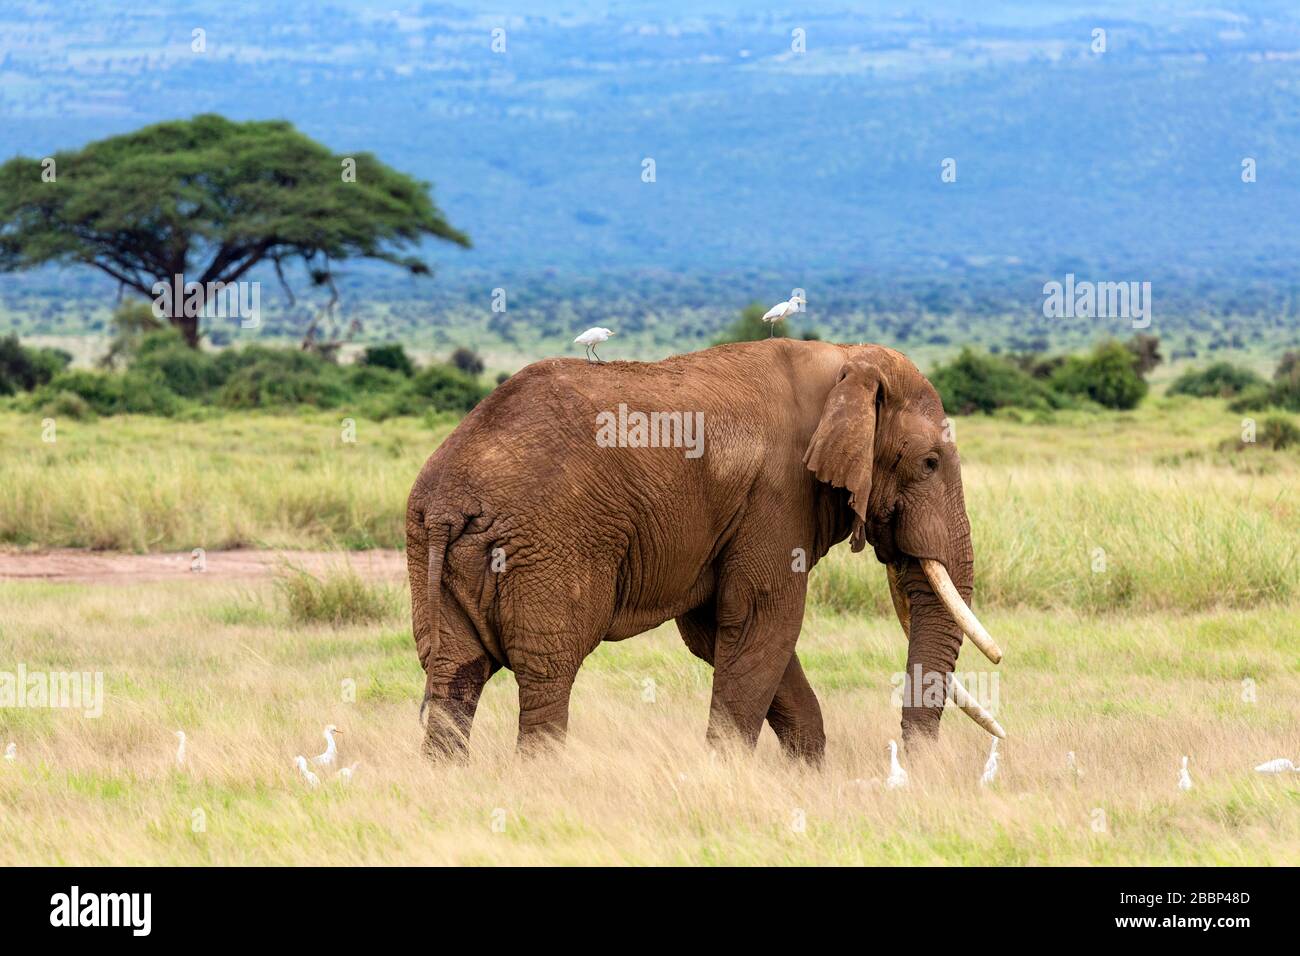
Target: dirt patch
{"x": 107, "y": 567}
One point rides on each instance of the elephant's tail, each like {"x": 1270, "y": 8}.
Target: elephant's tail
{"x": 426, "y": 546}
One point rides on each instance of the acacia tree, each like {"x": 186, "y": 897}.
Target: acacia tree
{"x": 207, "y": 199}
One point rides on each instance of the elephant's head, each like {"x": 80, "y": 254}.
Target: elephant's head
{"x": 883, "y": 437}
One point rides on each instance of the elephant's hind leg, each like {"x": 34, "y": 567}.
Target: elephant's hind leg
{"x": 455, "y": 676}
{"x": 545, "y": 683}
{"x": 554, "y": 613}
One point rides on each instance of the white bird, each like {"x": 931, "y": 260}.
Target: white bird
{"x": 1073, "y": 767}
{"x": 1184, "y": 778}
{"x": 331, "y": 752}
{"x": 897, "y": 778}
{"x": 345, "y": 773}
{"x": 1280, "y": 765}
{"x": 180, "y": 748}
{"x": 11, "y": 752}
{"x": 990, "y": 765}
{"x": 313, "y": 781}
{"x": 782, "y": 310}
{"x": 591, "y": 338}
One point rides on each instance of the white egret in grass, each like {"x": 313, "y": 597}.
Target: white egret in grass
{"x": 591, "y": 338}
{"x": 897, "y": 778}
{"x": 313, "y": 781}
{"x": 1184, "y": 778}
{"x": 1072, "y": 766}
{"x": 345, "y": 773}
{"x": 1280, "y": 765}
{"x": 11, "y": 752}
{"x": 331, "y": 752}
{"x": 782, "y": 310}
{"x": 990, "y": 765}
{"x": 180, "y": 747}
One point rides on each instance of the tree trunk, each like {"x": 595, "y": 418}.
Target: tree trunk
{"x": 189, "y": 326}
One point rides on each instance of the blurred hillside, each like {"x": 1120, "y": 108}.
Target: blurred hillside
{"x": 773, "y": 168}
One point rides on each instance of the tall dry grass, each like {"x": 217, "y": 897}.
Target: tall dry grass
{"x": 251, "y": 687}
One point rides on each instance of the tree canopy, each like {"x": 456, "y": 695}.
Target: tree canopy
{"x": 208, "y": 199}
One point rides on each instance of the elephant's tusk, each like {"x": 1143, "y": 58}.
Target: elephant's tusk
{"x": 938, "y": 577}
{"x": 958, "y": 694}
{"x": 972, "y": 709}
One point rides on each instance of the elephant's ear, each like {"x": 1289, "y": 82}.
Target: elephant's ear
{"x": 842, "y": 449}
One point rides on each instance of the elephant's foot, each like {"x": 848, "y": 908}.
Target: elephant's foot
{"x": 446, "y": 735}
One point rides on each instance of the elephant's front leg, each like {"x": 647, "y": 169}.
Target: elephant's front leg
{"x": 754, "y": 648}
{"x": 794, "y": 714}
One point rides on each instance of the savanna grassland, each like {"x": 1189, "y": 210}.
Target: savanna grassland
{"x": 1139, "y": 570}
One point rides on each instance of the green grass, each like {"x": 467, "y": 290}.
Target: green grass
{"x": 338, "y": 597}
{"x": 1180, "y": 521}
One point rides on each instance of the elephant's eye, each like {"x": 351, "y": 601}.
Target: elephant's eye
{"x": 930, "y": 465}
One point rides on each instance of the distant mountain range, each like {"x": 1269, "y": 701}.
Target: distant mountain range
{"x": 789, "y": 147}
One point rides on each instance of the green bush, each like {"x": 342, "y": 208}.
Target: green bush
{"x": 1220, "y": 380}
{"x": 260, "y": 377}
{"x": 391, "y": 357}
{"x": 1036, "y": 364}
{"x": 341, "y": 597}
{"x": 164, "y": 376}
{"x": 468, "y": 361}
{"x": 1108, "y": 376}
{"x": 130, "y": 322}
{"x": 23, "y": 369}
{"x": 190, "y": 373}
{"x": 370, "y": 379}
{"x": 982, "y": 383}
{"x": 1279, "y": 433}
{"x": 1285, "y": 392}
{"x": 67, "y": 405}
{"x": 1282, "y": 392}
{"x": 447, "y": 389}
{"x": 133, "y": 392}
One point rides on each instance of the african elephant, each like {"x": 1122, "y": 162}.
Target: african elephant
{"x": 555, "y": 517}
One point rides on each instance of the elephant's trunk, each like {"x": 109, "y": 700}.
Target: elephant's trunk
{"x": 934, "y": 638}
{"x": 957, "y": 693}
{"x": 932, "y": 588}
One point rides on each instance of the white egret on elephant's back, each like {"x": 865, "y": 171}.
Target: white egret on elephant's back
{"x": 591, "y": 338}
{"x": 781, "y": 311}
